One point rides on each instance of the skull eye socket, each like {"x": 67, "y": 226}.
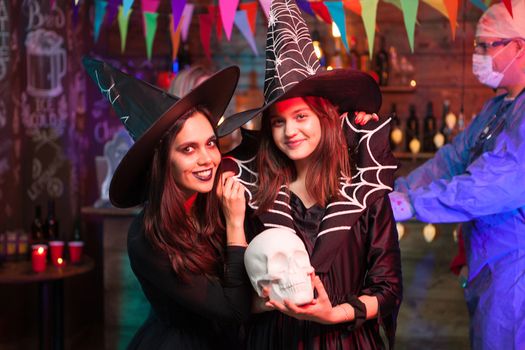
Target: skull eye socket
{"x": 278, "y": 263}
{"x": 301, "y": 259}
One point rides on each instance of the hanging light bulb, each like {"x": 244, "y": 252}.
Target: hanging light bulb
{"x": 317, "y": 49}
{"x": 335, "y": 31}
{"x": 429, "y": 232}
{"x": 400, "y": 230}
{"x": 317, "y": 44}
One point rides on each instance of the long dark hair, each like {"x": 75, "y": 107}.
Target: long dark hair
{"x": 194, "y": 241}
{"x": 328, "y": 161}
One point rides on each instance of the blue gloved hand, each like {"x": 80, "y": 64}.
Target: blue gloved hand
{"x": 401, "y": 206}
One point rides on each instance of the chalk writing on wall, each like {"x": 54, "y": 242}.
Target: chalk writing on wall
{"x": 4, "y": 39}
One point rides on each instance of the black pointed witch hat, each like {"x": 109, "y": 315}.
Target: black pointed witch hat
{"x": 293, "y": 70}
{"x": 148, "y": 112}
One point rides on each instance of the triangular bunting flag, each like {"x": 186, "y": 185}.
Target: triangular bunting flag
{"x": 175, "y": 38}
{"x": 187, "y": 14}
{"x": 76, "y": 9}
{"x": 150, "y": 26}
{"x": 149, "y": 5}
{"x": 508, "y": 5}
{"x": 409, "y": 16}
{"x": 251, "y": 12}
{"x": 123, "y": 22}
{"x": 479, "y": 4}
{"x": 320, "y": 9}
{"x": 216, "y": 18}
{"x": 353, "y": 5}
{"x": 100, "y": 12}
{"x": 368, "y": 13}
{"x": 452, "y": 9}
{"x": 438, "y": 5}
{"x": 304, "y": 5}
{"x": 126, "y": 5}
{"x": 338, "y": 15}
{"x": 177, "y": 6}
{"x": 205, "y": 33}
{"x": 52, "y": 4}
{"x": 112, "y": 11}
{"x": 228, "y": 9}
{"x": 265, "y": 4}
{"x": 241, "y": 21}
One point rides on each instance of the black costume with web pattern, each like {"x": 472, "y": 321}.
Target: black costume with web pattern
{"x": 355, "y": 251}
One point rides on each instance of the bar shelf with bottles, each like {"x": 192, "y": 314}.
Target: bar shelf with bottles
{"x": 411, "y": 141}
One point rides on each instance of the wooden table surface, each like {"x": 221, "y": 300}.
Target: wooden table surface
{"x": 22, "y": 271}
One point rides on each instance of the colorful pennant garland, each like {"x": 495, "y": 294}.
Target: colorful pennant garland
{"x": 123, "y": 22}
{"x": 251, "y": 12}
{"x": 452, "y": 9}
{"x": 228, "y": 9}
{"x": 187, "y": 14}
{"x": 338, "y": 15}
{"x": 409, "y": 16}
{"x": 368, "y": 13}
{"x": 175, "y": 38}
{"x": 229, "y": 12}
{"x": 177, "y": 7}
{"x": 100, "y": 11}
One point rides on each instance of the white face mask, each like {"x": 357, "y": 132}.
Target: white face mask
{"x": 482, "y": 69}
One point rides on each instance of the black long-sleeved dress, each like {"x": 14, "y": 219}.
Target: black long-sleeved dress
{"x": 197, "y": 314}
{"x": 352, "y": 243}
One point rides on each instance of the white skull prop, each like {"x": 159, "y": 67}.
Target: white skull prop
{"x": 277, "y": 258}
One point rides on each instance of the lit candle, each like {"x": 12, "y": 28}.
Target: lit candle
{"x": 57, "y": 252}
{"x": 39, "y": 257}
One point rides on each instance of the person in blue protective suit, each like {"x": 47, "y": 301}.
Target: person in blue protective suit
{"x": 479, "y": 180}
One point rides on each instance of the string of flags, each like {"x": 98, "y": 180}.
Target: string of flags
{"x": 229, "y": 13}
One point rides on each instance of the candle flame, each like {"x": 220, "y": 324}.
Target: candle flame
{"x": 40, "y": 250}
{"x": 60, "y": 261}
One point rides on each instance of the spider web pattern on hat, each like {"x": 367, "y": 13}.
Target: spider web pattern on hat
{"x": 290, "y": 55}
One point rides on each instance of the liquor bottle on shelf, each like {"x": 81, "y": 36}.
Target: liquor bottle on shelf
{"x": 459, "y": 125}
{"x": 382, "y": 64}
{"x": 364, "y": 61}
{"x": 353, "y": 55}
{"x": 445, "y": 130}
{"x": 396, "y": 133}
{"x": 413, "y": 139}
{"x": 37, "y": 229}
{"x": 429, "y": 129}
{"x": 184, "y": 57}
{"x": 51, "y": 223}
{"x": 76, "y": 236}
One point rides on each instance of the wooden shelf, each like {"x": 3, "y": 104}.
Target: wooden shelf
{"x": 398, "y": 89}
{"x": 411, "y": 156}
{"x": 111, "y": 211}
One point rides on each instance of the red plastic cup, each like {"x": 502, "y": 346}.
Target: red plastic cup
{"x": 57, "y": 253}
{"x": 39, "y": 257}
{"x": 75, "y": 251}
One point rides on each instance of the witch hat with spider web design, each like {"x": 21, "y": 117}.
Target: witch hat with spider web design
{"x": 293, "y": 70}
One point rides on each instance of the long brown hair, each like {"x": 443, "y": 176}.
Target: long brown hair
{"x": 194, "y": 241}
{"x": 327, "y": 163}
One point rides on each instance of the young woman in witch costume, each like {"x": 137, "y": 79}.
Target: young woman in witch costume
{"x": 303, "y": 180}
{"x": 187, "y": 258}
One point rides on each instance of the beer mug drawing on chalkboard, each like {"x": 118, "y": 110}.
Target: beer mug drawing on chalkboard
{"x": 46, "y": 63}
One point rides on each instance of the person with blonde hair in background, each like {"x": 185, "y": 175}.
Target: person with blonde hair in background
{"x": 189, "y": 78}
